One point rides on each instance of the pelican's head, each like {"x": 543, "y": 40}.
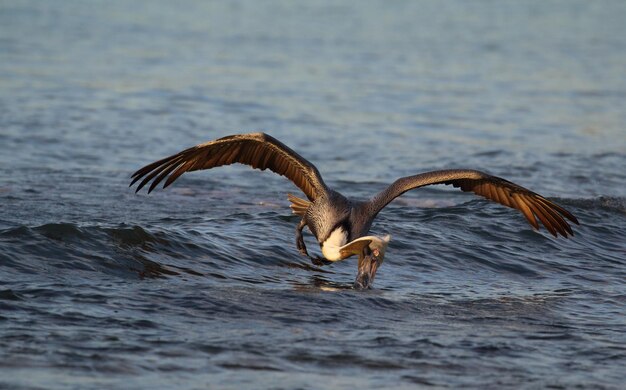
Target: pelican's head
{"x": 371, "y": 252}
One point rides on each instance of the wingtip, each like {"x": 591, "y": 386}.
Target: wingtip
{"x": 140, "y": 186}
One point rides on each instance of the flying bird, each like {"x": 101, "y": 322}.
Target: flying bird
{"x": 339, "y": 224}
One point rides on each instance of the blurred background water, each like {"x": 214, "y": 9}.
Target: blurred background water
{"x": 201, "y": 285}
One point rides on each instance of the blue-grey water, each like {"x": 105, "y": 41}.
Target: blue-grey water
{"x": 201, "y": 286}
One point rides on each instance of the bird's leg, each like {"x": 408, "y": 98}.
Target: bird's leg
{"x": 318, "y": 261}
{"x": 299, "y": 239}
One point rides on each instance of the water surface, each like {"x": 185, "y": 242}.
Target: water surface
{"x": 201, "y": 285}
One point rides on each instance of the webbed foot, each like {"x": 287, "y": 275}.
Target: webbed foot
{"x": 320, "y": 261}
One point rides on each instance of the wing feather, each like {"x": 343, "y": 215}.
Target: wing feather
{"x": 257, "y": 150}
{"x": 532, "y": 205}
{"x": 542, "y": 217}
{"x": 520, "y": 204}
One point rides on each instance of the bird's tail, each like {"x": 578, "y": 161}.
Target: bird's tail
{"x": 298, "y": 206}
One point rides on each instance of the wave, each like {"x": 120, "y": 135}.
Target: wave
{"x": 133, "y": 251}
{"x": 251, "y": 250}
{"x": 122, "y": 250}
{"x": 609, "y": 203}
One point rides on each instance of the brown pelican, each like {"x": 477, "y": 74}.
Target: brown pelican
{"x": 340, "y": 225}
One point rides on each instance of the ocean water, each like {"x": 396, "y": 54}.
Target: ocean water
{"x": 201, "y": 285}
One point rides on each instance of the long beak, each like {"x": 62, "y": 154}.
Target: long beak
{"x": 366, "y": 272}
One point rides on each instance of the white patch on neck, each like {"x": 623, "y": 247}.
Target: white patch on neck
{"x": 330, "y": 247}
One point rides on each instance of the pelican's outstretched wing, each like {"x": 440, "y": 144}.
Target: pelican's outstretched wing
{"x": 532, "y": 205}
{"x": 258, "y": 150}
